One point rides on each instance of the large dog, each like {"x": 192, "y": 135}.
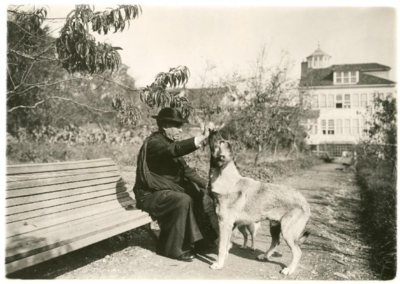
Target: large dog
{"x": 244, "y": 201}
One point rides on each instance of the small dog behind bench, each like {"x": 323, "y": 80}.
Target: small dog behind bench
{"x": 245, "y": 201}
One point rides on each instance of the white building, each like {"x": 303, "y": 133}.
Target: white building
{"x": 342, "y": 94}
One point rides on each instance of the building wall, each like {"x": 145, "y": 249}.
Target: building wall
{"x": 343, "y": 125}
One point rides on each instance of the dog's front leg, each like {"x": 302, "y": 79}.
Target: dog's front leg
{"x": 225, "y": 232}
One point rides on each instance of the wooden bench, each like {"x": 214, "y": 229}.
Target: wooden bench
{"x": 52, "y": 209}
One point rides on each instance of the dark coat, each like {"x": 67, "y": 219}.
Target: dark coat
{"x": 180, "y": 214}
{"x": 164, "y": 158}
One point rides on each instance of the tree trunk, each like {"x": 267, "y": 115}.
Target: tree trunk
{"x": 297, "y": 149}
{"x": 276, "y": 147}
{"x": 258, "y": 154}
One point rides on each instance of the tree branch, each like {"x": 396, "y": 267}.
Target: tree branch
{"x": 12, "y": 81}
{"x": 39, "y": 85}
{"x": 119, "y": 84}
{"x": 32, "y": 14}
{"x": 31, "y": 57}
{"x": 28, "y": 32}
{"x": 64, "y": 99}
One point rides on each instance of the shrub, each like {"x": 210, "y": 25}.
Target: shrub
{"x": 35, "y": 152}
{"x": 378, "y": 197}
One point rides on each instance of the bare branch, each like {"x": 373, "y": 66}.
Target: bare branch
{"x": 119, "y": 84}
{"x": 12, "y": 81}
{"x": 39, "y": 85}
{"x": 32, "y": 14}
{"x": 64, "y": 99}
{"x": 31, "y": 57}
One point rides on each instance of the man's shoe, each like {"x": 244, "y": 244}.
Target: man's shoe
{"x": 187, "y": 256}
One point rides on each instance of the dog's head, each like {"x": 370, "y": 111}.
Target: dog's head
{"x": 220, "y": 149}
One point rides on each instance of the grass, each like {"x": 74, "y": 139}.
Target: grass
{"x": 33, "y": 152}
{"x": 378, "y": 196}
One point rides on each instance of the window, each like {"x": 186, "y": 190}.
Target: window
{"x": 331, "y": 101}
{"x": 346, "y": 126}
{"x": 339, "y": 101}
{"x": 355, "y": 127}
{"x": 339, "y": 126}
{"x": 313, "y": 126}
{"x": 353, "y": 78}
{"x": 355, "y": 100}
{"x": 323, "y": 101}
{"x": 347, "y": 102}
{"x": 323, "y": 126}
{"x": 314, "y": 101}
{"x": 339, "y": 77}
{"x": 331, "y": 127}
{"x": 363, "y": 100}
{"x": 381, "y": 96}
{"x": 346, "y": 78}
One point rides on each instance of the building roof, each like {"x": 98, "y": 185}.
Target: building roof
{"x": 318, "y": 52}
{"x": 363, "y": 67}
{"x": 324, "y": 76}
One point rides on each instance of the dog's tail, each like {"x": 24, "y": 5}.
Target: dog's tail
{"x": 304, "y": 237}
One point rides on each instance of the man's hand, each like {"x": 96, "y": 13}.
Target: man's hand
{"x": 206, "y": 132}
{"x": 210, "y": 127}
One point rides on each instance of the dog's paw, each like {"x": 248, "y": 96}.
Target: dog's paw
{"x": 286, "y": 271}
{"x": 243, "y": 247}
{"x": 262, "y": 256}
{"x": 216, "y": 266}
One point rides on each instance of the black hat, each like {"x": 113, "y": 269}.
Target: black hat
{"x": 170, "y": 114}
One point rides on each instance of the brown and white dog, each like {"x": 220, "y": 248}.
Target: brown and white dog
{"x": 245, "y": 201}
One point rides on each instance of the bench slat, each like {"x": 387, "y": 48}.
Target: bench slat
{"x": 41, "y": 257}
{"x": 52, "y": 210}
{"x": 18, "y": 241}
{"x": 53, "y": 167}
{"x": 43, "y": 222}
{"x": 62, "y": 194}
{"x": 51, "y": 182}
{"x": 47, "y": 175}
{"x": 68, "y": 235}
{"x": 64, "y": 186}
{"x": 53, "y": 203}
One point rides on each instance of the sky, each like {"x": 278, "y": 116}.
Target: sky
{"x": 230, "y": 37}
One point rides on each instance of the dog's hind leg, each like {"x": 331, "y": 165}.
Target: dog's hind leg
{"x": 292, "y": 225}
{"x": 275, "y": 230}
{"x": 243, "y": 230}
{"x": 253, "y": 228}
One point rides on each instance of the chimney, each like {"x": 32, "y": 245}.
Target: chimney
{"x": 304, "y": 68}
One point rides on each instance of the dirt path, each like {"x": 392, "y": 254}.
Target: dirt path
{"x": 334, "y": 251}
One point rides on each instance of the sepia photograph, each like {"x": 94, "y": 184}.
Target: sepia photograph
{"x": 243, "y": 140}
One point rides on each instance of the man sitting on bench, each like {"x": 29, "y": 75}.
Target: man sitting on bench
{"x": 172, "y": 192}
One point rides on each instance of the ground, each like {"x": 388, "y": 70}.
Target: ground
{"x": 334, "y": 251}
